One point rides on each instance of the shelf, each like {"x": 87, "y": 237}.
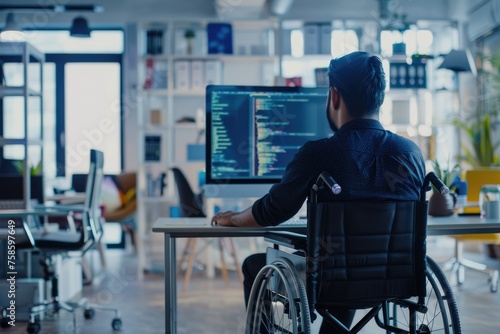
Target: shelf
{"x": 189, "y": 92}
{"x": 20, "y": 141}
{"x": 154, "y": 91}
{"x": 156, "y": 199}
{"x": 19, "y": 49}
{"x": 227, "y": 57}
{"x": 320, "y": 57}
{"x": 16, "y": 91}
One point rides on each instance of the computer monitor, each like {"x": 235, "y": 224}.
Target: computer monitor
{"x": 13, "y": 187}
{"x": 253, "y": 132}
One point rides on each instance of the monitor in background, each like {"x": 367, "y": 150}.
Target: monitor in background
{"x": 12, "y": 187}
{"x": 253, "y": 132}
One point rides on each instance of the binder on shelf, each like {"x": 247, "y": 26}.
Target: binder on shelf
{"x": 325, "y": 31}
{"x": 321, "y": 76}
{"x": 152, "y": 148}
{"x": 197, "y": 74}
{"x": 182, "y": 74}
{"x": 286, "y": 41}
{"x": 311, "y": 39}
{"x": 160, "y": 69}
{"x": 213, "y": 72}
{"x": 220, "y": 38}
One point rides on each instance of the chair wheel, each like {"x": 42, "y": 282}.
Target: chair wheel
{"x": 4, "y": 323}
{"x": 116, "y": 324}
{"x": 34, "y": 328}
{"x": 493, "y": 288}
{"x": 89, "y": 313}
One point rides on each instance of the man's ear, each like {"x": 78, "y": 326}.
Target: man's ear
{"x": 335, "y": 98}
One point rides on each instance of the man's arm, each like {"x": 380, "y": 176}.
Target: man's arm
{"x": 238, "y": 219}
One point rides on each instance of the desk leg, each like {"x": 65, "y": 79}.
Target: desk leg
{"x": 170, "y": 286}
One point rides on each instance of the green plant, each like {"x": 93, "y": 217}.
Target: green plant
{"x": 481, "y": 149}
{"x": 34, "y": 169}
{"x": 447, "y": 175}
{"x": 189, "y": 33}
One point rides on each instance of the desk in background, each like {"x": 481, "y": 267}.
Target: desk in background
{"x": 174, "y": 228}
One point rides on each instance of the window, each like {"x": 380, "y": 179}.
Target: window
{"x": 81, "y": 77}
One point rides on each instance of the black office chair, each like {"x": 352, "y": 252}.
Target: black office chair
{"x": 83, "y": 231}
{"x": 191, "y": 206}
{"x": 359, "y": 255}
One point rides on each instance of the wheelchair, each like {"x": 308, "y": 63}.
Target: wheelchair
{"x": 367, "y": 255}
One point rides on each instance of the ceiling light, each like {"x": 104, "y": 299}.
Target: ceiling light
{"x": 80, "y": 27}
{"x": 12, "y": 30}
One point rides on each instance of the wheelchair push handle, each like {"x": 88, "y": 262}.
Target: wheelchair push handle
{"x": 431, "y": 177}
{"x": 325, "y": 178}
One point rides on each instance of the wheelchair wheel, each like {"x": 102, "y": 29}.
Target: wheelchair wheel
{"x": 278, "y": 301}
{"x": 442, "y": 313}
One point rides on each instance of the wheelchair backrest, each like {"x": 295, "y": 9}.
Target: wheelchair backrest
{"x": 362, "y": 252}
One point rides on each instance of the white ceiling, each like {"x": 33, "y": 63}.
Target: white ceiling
{"x": 120, "y": 12}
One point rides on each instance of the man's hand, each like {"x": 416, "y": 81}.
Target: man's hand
{"x": 239, "y": 219}
{"x": 223, "y": 218}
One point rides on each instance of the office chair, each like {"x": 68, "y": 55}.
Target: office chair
{"x": 358, "y": 255}
{"x": 84, "y": 230}
{"x": 191, "y": 206}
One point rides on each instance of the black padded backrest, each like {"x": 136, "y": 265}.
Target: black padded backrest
{"x": 360, "y": 253}
{"x": 187, "y": 200}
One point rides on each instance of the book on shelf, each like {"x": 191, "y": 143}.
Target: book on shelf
{"x": 154, "y": 42}
{"x": 156, "y": 74}
{"x": 152, "y": 148}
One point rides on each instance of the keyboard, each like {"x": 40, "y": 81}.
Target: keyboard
{"x": 295, "y": 222}
{"x": 14, "y": 204}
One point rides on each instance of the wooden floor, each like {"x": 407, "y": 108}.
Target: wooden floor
{"x": 209, "y": 306}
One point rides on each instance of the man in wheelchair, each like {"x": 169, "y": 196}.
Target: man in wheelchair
{"x": 367, "y": 161}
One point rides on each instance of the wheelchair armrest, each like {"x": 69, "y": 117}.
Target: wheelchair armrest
{"x": 287, "y": 239}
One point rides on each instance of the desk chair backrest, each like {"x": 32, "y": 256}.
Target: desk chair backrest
{"x": 364, "y": 252}
{"x": 90, "y": 229}
{"x": 93, "y": 193}
{"x": 189, "y": 205}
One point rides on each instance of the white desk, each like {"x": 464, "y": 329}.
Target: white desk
{"x": 174, "y": 228}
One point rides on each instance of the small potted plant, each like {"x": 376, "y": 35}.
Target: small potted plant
{"x": 189, "y": 35}
{"x": 444, "y": 205}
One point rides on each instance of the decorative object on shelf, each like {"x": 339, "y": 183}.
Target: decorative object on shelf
{"x": 189, "y": 35}
{"x": 404, "y": 75}
{"x": 155, "y": 116}
{"x": 293, "y": 82}
{"x": 220, "y": 38}
{"x": 444, "y": 205}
